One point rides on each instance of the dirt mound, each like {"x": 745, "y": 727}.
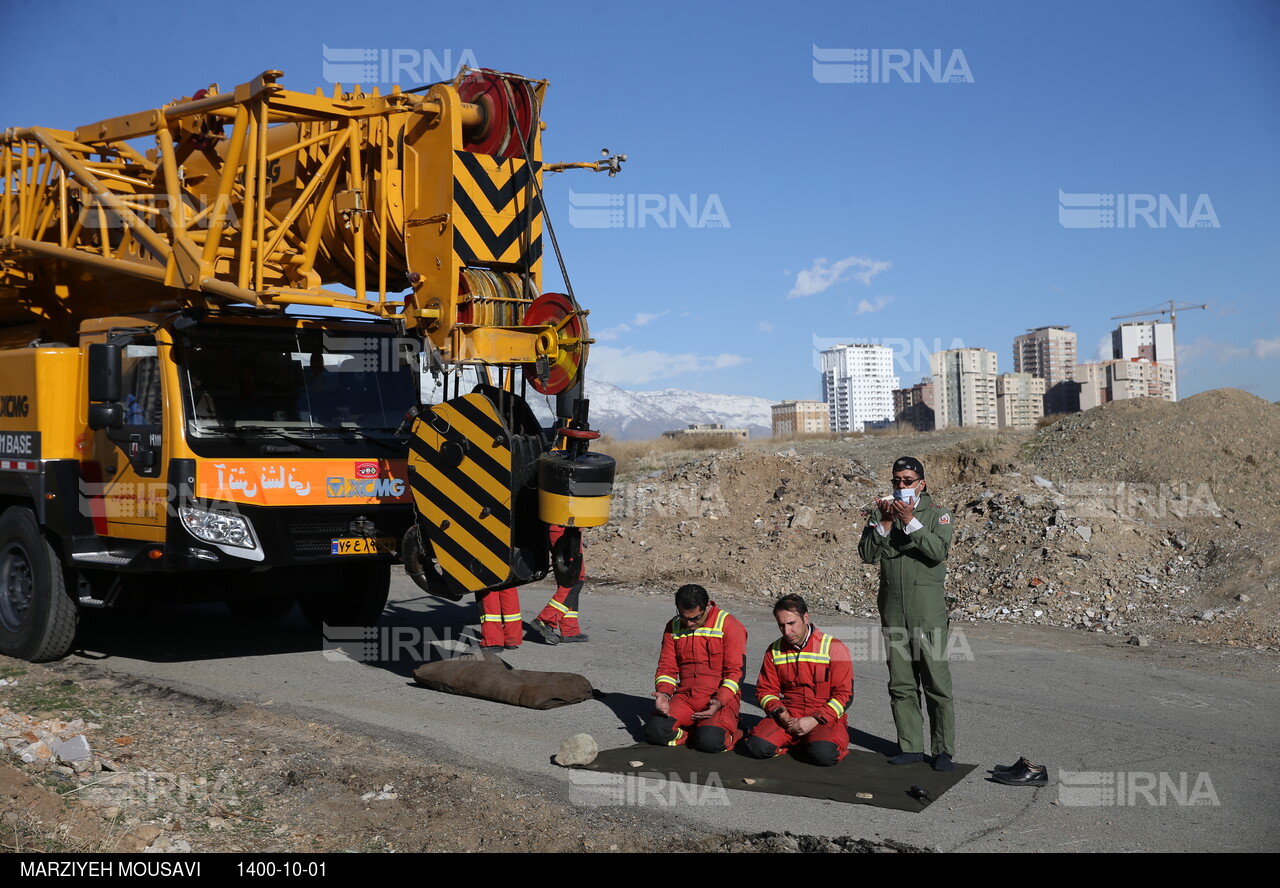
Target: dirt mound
{"x": 1225, "y": 438}
{"x": 1128, "y": 519}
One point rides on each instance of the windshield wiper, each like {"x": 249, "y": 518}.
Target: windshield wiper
{"x": 363, "y": 434}
{"x": 265, "y": 430}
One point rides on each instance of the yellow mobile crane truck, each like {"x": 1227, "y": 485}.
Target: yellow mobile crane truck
{"x": 183, "y": 413}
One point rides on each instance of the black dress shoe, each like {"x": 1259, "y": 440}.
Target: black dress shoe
{"x": 1023, "y": 777}
{"x": 1021, "y": 763}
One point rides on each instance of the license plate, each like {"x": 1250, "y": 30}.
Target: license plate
{"x": 361, "y": 546}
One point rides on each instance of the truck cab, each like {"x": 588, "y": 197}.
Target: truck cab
{"x": 256, "y": 459}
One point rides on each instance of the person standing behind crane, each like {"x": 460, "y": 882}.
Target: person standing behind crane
{"x": 559, "y": 619}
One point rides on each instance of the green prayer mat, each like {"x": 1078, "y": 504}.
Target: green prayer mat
{"x": 860, "y": 772}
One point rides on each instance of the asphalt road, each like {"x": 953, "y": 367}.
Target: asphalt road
{"x": 1174, "y": 759}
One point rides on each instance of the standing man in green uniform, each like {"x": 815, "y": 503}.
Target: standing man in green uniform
{"x": 909, "y": 537}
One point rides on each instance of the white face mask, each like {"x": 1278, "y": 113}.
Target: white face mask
{"x": 905, "y": 494}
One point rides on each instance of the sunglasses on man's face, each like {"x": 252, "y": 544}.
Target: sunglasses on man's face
{"x": 907, "y": 481}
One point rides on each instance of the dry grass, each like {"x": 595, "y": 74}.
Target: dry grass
{"x": 645, "y": 456}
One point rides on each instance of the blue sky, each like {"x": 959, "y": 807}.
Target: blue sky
{"x": 897, "y": 211}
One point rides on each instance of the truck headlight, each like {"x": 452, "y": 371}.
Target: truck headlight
{"x": 220, "y": 527}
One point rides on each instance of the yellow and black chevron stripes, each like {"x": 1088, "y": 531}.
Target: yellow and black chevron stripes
{"x": 460, "y": 458}
{"x": 497, "y": 215}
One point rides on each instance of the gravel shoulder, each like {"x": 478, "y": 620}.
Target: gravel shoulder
{"x": 171, "y": 772}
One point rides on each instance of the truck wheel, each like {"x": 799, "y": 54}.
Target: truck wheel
{"x": 358, "y": 597}
{"x": 37, "y": 613}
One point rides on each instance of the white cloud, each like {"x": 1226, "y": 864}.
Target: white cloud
{"x": 1104, "y": 348}
{"x": 1266, "y": 348}
{"x": 628, "y": 366}
{"x": 821, "y": 276}
{"x": 866, "y": 306}
{"x": 1222, "y": 352}
{"x": 610, "y": 332}
{"x": 614, "y": 332}
{"x": 764, "y": 327}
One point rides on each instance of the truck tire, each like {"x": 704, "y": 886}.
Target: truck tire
{"x": 358, "y": 597}
{"x": 37, "y": 613}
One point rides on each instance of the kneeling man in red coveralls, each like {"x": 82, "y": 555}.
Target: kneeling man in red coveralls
{"x": 700, "y": 668}
{"x": 805, "y": 685}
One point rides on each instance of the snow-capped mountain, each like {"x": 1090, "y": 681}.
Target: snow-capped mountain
{"x": 635, "y": 415}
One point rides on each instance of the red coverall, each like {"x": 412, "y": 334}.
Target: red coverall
{"x": 562, "y": 610}
{"x": 698, "y": 664}
{"x": 500, "y": 624}
{"x": 816, "y": 681}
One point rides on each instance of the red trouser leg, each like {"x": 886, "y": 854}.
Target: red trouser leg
{"x": 836, "y": 732}
{"x": 770, "y": 731}
{"x": 500, "y": 617}
{"x": 683, "y": 708}
{"x": 512, "y": 627}
{"x": 562, "y": 610}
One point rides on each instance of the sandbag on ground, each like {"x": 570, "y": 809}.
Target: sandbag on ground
{"x": 491, "y": 678}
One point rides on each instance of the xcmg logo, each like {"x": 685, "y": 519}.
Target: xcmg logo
{"x": 14, "y": 405}
{"x": 341, "y": 488}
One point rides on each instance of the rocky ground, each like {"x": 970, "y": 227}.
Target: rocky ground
{"x": 1141, "y": 518}
{"x": 102, "y": 763}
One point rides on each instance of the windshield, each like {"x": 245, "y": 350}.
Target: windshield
{"x": 297, "y": 381}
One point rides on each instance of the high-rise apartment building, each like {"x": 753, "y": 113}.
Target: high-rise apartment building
{"x": 1019, "y": 400}
{"x": 1149, "y": 340}
{"x": 913, "y": 407}
{"x": 858, "y": 384}
{"x": 964, "y": 381}
{"x": 1050, "y": 354}
{"x": 800, "y": 417}
{"x": 1116, "y": 380}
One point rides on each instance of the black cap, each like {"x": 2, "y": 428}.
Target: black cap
{"x": 909, "y": 462}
